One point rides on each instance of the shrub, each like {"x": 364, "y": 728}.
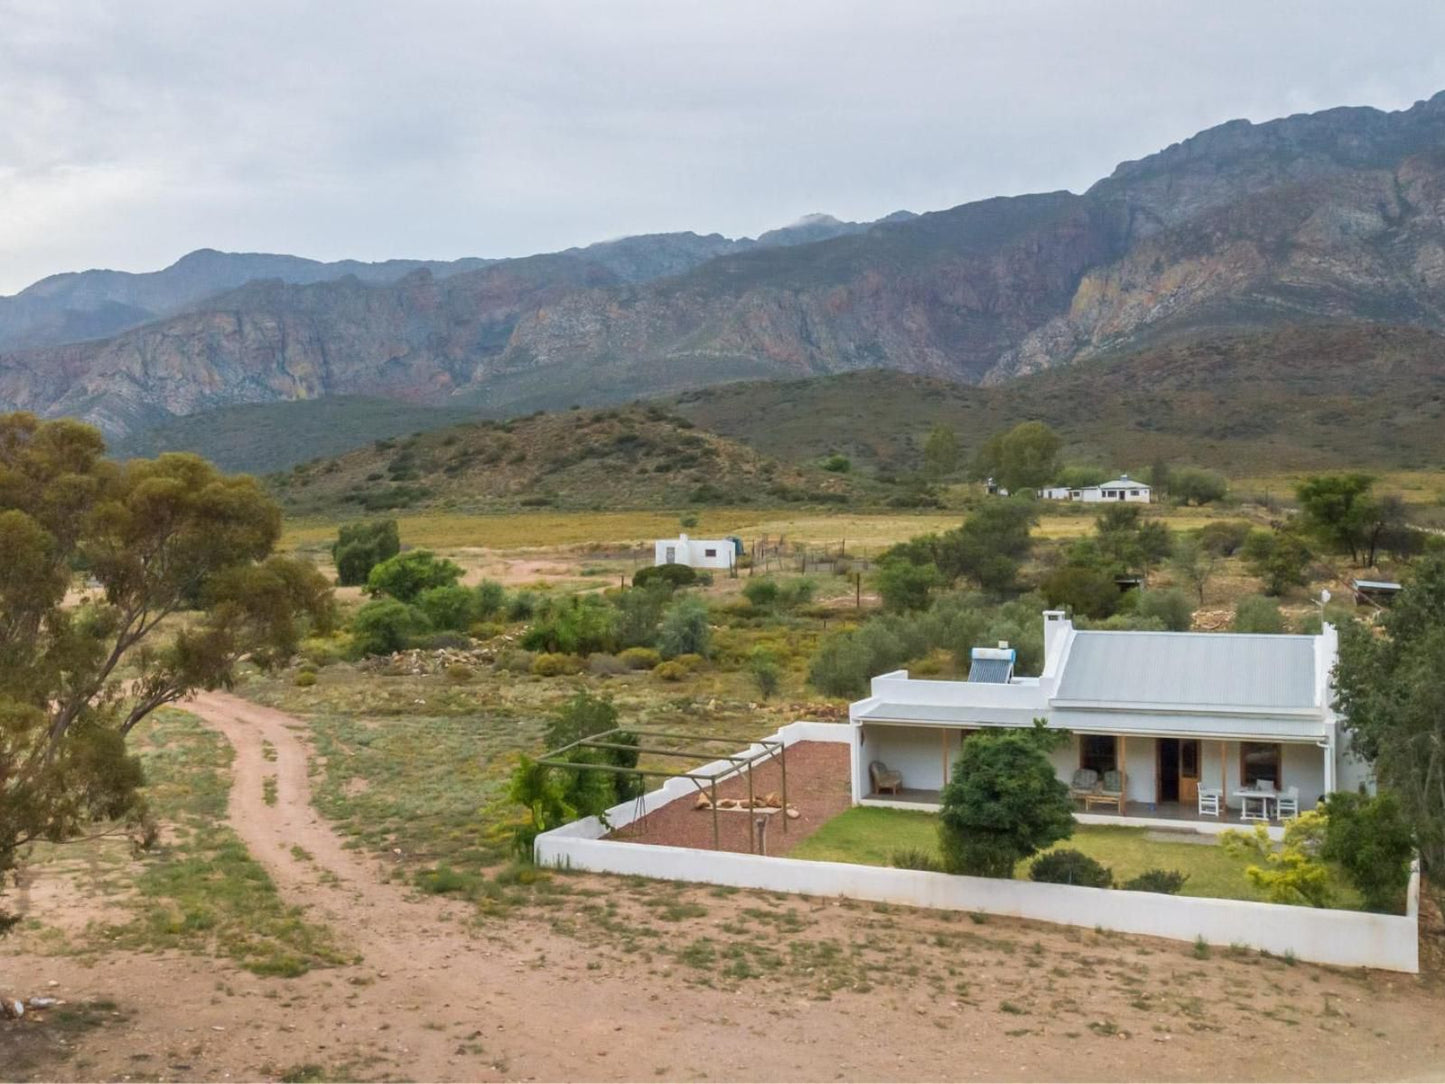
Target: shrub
{"x": 604, "y": 665}
{"x": 690, "y": 661}
{"x": 306, "y": 678}
{"x": 577, "y": 626}
{"x": 439, "y": 641}
{"x": 1091, "y": 592}
{"x": 1002, "y": 802}
{"x": 491, "y": 598}
{"x": 638, "y": 613}
{"x": 1171, "y": 608}
{"x": 384, "y": 626}
{"x": 905, "y": 585}
{"x": 521, "y": 606}
{"x": 407, "y": 575}
{"x": 1070, "y": 867}
{"x": 1224, "y": 537}
{"x": 515, "y": 661}
{"x": 554, "y": 664}
{"x": 1277, "y": 558}
{"x": 1165, "y": 881}
{"x": 1254, "y": 613}
{"x": 460, "y": 673}
{"x": 486, "y": 630}
{"x": 321, "y": 653}
{"x": 670, "y": 671}
{"x": 451, "y": 607}
{"x": 1373, "y": 842}
{"x": 915, "y": 858}
{"x": 640, "y": 658}
{"x": 761, "y": 593}
{"x": 671, "y": 576}
{"x": 838, "y": 464}
{"x": 685, "y": 629}
{"x": 763, "y": 668}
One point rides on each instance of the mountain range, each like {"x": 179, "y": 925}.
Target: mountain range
{"x": 1332, "y": 220}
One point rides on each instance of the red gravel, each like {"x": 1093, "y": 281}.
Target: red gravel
{"x": 818, "y": 788}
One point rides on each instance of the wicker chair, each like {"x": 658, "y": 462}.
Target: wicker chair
{"x": 884, "y": 777}
{"x": 1084, "y": 783}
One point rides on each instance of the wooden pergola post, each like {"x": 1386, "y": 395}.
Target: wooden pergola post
{"x": 1223, "y": 779}
{"x": 1123, "y": 774}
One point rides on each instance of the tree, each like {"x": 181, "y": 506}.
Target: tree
{"x": 1340, "y": 510}
{"x": 904, "y": 585}
{"x": 940, "y": 452}
{"x": 990, "y": 547}
{"x": 1194, "y": 564}
{"x": 1372, "y": 841}
{"x": 360, "y": 547}
{"x": 1279, "y": 558}
{"x": 639, "y": 612}
{"x": 1088, "y": 591}
{"x": 1129, "y": 542}
{"x": 1295, "y": 873}
{"x": 451, "y": 607}
{"x": 1194, "y": 486}
{"x": 384, "y": 626}
{"x": 685, "y": 629}
{"x": 156, "y": 537}
{"x": 1003, "y": 802}
{"x": 1026, "y": 457}
{"x": 405, "y": 576}
{"x": 1390, "y": 687}
{"x": 1161, "y": 477}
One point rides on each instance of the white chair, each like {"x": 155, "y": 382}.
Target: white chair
{"x": 1288, "y": 803}
{"x": 1210, "y": 802}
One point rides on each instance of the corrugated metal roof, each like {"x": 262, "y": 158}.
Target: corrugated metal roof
{"x": 1198, "y": 670}
{"x": 991, "y": 671}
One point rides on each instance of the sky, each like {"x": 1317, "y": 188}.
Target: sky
{"x": 135, "y": 132}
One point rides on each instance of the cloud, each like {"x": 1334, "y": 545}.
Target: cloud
{"x": 135, "y": 132}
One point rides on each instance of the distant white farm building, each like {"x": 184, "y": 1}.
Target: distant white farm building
{"x": 696, "y": 552}
{"x": 1122, "y": 488}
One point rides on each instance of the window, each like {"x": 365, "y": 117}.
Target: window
{"x": 709, "y": 553}
{"x": 1259, "y": 761}
{"x": 1098, "y": 751}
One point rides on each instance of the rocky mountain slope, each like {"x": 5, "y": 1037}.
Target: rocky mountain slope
{"x": 1327, "y": 218}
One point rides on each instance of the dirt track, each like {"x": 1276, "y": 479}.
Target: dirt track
{"x": 441, "y": 995}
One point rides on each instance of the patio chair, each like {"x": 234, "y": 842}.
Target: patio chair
{"x": 1110, "y": 792}
{"x": 884, "y": 778}
{"x": 1210, "y": 802}
{"x": 1084, "y": 783}
{"x": 1287, "y": 804}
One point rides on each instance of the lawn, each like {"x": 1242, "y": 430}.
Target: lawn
{"x": 870, "y": 836}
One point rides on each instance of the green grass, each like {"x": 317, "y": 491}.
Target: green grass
{"x": 201, "y": 890}
{"x": 870, "y": 836}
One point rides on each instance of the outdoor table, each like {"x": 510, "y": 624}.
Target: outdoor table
{"x": 1263, "y": 797}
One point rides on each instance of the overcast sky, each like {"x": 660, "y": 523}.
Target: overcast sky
{"x": 131, "y": 133}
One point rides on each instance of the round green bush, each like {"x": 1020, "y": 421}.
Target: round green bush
{"x": 1166, "y": 881}
{"x": 640, "y": 658}
{"x": 459, "y": 672}
{"x": 670, "y": 671}
{"x": 1070, "y": 867}
{"x": 554, "y": 664}
{"x": 306, "y": 678}
{"x": 673, "y": 576}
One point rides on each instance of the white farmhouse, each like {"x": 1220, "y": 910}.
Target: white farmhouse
{"x": 1122, "y": 488}
{"x": 695, "y": 552}
{"x": 1163, "y": 725}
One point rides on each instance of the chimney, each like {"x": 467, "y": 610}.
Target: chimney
{"x": 1057, "y": 627}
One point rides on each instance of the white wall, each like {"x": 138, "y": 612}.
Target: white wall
{"x": 1341, "y": 938}
{"x": 694, "y": 552}
{"x": 916, "y": 751}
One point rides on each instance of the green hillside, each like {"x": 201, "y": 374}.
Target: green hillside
{"x": 1297, "y": 398}
{"x": 636, "y": 457}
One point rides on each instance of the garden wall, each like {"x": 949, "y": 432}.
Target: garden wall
{"x": 1342, "y": 938}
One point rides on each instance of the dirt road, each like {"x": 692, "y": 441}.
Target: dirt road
{"x": 441, "y": 994}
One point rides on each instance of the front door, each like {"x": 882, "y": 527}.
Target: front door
{"x": 1178, "y": 777}
{"x": 671, "y": 554}
{"x": 1189, "y": 758}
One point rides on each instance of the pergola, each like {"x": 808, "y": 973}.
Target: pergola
{"x": 733, "y": 764}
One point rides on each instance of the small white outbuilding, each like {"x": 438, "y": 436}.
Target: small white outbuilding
{"x": 695, "y": 552}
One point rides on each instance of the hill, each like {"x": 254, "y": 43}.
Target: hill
{"x": 634, "y": 457}
{"x": 1293, "y": 398}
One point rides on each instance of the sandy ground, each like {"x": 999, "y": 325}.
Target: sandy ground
{"x": 443, "y": 995}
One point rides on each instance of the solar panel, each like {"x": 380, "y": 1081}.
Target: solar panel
{"x": 991, "y": 671}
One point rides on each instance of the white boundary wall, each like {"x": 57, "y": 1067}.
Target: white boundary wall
{"x": 1342, "y": 938}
